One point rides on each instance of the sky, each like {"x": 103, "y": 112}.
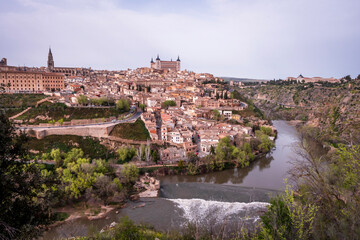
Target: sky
{"x": 263, "y": 39}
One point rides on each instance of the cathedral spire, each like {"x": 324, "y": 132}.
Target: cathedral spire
{"x": 178, "y": 59}
{"x": 158, "y": 58}
{"x": 50, "y": 60}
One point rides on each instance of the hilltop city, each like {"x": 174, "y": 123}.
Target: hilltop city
{"x": 200, "y": 110}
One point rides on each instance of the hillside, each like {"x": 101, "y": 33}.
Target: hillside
{"x": 331, "y": 109}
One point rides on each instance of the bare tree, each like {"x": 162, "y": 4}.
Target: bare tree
{"x": 148, "y": 151}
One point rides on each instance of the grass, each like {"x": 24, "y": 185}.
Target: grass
{"x": 57, "y": 111}
{"x": 134, "y": 131}
{"x": 91, "y": 148}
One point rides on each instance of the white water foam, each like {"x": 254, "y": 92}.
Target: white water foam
{"x": 199, "y": 210}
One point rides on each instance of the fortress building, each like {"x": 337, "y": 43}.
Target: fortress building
{"x": 165, "y": 65}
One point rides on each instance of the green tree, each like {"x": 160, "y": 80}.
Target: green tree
{"x": 266, "y": 130}
{"x": 216, "y": 114}
{"x": 266, "y": 144}
{"x": 123, "y": 105}
{"x": 155, "y": 155}
{"x": 168, "y": 103}
{"x": 61, "y": 121}
{"x": 126, "y": 154}
{"x": 285, "y": 219}
{"x": 224, "y": 149}
{"x": 21, "y": 208}
{"x": 130, "y": 172}
{"x": 82, "y": 100}
{"x": 142, "y": 106}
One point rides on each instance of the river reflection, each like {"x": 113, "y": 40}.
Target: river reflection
{"x": 267, "y": 172}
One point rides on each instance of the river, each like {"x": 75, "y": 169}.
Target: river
{"x": 234, "y": 196}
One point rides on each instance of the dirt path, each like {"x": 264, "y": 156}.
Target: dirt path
{"x": 19, "y": 114}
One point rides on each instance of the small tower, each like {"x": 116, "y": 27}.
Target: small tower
{"x": 178, "y": 63}
{"x": 158, "y": 62}
{"x": 50, "y": 61}
{"x": 152, "y": 64}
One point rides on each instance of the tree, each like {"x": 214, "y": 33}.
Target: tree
{"x": 285, "y": 219}
{"x": 61, "y": 121}
{"x": 21, "y": 208}
{"x": 168, "y": 103}
{"x": 142, "y": 106}
{"x": 123, "y": 105}
{"x": 212, "y": 150}
{"x": 130, "y": 172}
{"x": 224, "y": 149}
{"x": 82, "y": 100}
{"x": 216, "y": 114}
{"x": 147, "y": 152}
{"x": 266, "y": 144}
{"x": 155, "y": 155}
{"x": 347, "y": 78}
{"x": 126, "y": 154}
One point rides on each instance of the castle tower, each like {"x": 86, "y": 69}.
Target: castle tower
{"x": 158, "y": 62}
{"x": 50, "y": 61}
{"x": 178, "y": 63}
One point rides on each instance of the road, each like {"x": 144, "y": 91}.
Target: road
{"x": 135, "y": 116}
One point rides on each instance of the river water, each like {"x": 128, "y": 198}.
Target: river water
{"x": 231, "y": 197}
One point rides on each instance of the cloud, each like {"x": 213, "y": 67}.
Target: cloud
{"x": 249, "y": 38}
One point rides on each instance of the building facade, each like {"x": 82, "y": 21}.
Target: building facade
{"x": 165, "y": 65}
{"x": 31, "y": 81}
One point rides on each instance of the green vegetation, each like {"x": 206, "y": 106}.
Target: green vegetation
{"x": 21, "y": 208}
{"x": 29, "y": 191}
{"x": 168, "y": 103}
{"x": 134, "y": 131}
{"x": 12, "y": 104}
{"x": 251, "y": 110}
{"x": 82, "y": 100}
{"x": 58, "y": 111}
{"x": 102, "y": 101}
{"x": 332, "y": 107}
{"x": 91, "y": 147}
{"x": 129, "y": 172}
{"x": 142, "y": 106}
{"x": 123, "y": 105}
{"x": 20, "y": 100}
{"x": 126, "y": 154}
{"x": 226, "y": 154}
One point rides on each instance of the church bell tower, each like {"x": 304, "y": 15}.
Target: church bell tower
{"x": 50, "y": 61}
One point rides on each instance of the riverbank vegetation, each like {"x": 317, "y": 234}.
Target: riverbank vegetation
{"x": 229, "y": 153}
{"x": 30, "y": 191}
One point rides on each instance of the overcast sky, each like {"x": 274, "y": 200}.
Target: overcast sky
{"x": 240, "y": 38}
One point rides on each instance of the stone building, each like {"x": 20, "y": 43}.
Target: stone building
{"x": 165, "y": 65}
{"x": 31, "y": 81}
